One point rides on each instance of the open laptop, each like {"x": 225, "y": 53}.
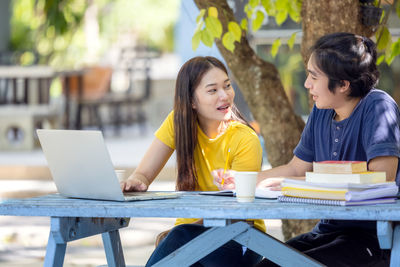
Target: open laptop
{"x": 81, "y": 167}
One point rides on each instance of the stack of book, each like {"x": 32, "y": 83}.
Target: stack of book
{"x": 343, "y": 183}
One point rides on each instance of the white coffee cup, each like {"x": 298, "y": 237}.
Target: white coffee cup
{"x": 120, "y": 174}
{"x": 245, "y": 183}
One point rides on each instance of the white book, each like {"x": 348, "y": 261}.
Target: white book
{"x": 344, "y": 185}
{"x": 362, "y": 177}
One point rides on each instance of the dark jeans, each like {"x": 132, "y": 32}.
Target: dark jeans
{"x": 230, "y": 254}
{"x": 344, "y": 248}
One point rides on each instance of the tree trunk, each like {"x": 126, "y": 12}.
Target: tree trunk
{"x": 329, "y": 16}
{"x": 261, "y": 86}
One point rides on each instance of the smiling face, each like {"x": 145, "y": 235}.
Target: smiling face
{"x": 317, "y": 84}
{"x": 213, "y": 98}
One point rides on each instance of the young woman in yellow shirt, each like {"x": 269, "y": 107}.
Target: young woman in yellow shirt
{"x": 202, "y": 128}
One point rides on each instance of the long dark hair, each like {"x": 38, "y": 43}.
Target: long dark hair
{"x": 346, "y": 56}
{"x": 185, "y": 117}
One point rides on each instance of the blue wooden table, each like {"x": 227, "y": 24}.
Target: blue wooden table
{"x": 72, "y": 219}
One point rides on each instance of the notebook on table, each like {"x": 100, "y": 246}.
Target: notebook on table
{"x": 331, "y": 202}
{"x": 260, "y": 193}
{"x": 81, "y": 167}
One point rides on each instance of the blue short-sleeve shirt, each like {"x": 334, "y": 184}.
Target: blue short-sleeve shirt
{"x": 372, "y": 130}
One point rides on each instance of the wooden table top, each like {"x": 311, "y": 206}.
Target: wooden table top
{"x": 193, "y": 205}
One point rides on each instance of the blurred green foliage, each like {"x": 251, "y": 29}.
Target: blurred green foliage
{"x": 54, "y": 29}
{"x": 292, "y": 73}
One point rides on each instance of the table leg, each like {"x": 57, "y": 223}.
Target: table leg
{"x": 395, "y": 254}
{"x": 274, "y": 250}
{"x": 384, "y": 232}
{"x": 55, "y": 253}
{"x": 66, "y": 229}
{"x": 245, "y": 235}
{"x": 113, "y": 249}
{"x": 202, "y": 245}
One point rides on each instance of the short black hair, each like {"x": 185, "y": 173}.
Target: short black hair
{"x": 346, "y": 56}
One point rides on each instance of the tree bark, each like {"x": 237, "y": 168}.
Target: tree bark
{"x": 329, "y": 16}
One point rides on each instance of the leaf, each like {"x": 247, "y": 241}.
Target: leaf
{"x": 199, "y": 26}
{"x": 206, "y": 37}
{"x": 389, "y": 59}
{"x": 269, "y": 7}
{"x": 201, "y": 15}
{"x": 281, "y": 17}
{"x": 291, "y": 40}
{"x": 380, "y": 59}
{"x": 214, "y": 26}
{"x": 228, "y": 41}
{"x": 282, "y": 5}
{"x": 393, "y": 52}
{"x": 396, "y": 48}
{"x": 257, "y": 22}
{"x": 248, "y": 10}
{"x": 212, "y": 12}
{"x": 382, "y": 17}
{"x": 384, "y": 38}
{"x": 275, "y": 47}
{"x": 234, "y": 28}
{"x": 388, "y": 50}
{"x": 254, "y": 3}
{"x": 294, "y": 11}
{"x": 243, "y": 24}
{"x": 196, "y": 40}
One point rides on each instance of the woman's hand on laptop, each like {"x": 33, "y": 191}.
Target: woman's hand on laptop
{"x": 135, "y": 182}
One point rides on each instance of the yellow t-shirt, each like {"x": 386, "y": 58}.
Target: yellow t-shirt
{"x": 210, "y": 154}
